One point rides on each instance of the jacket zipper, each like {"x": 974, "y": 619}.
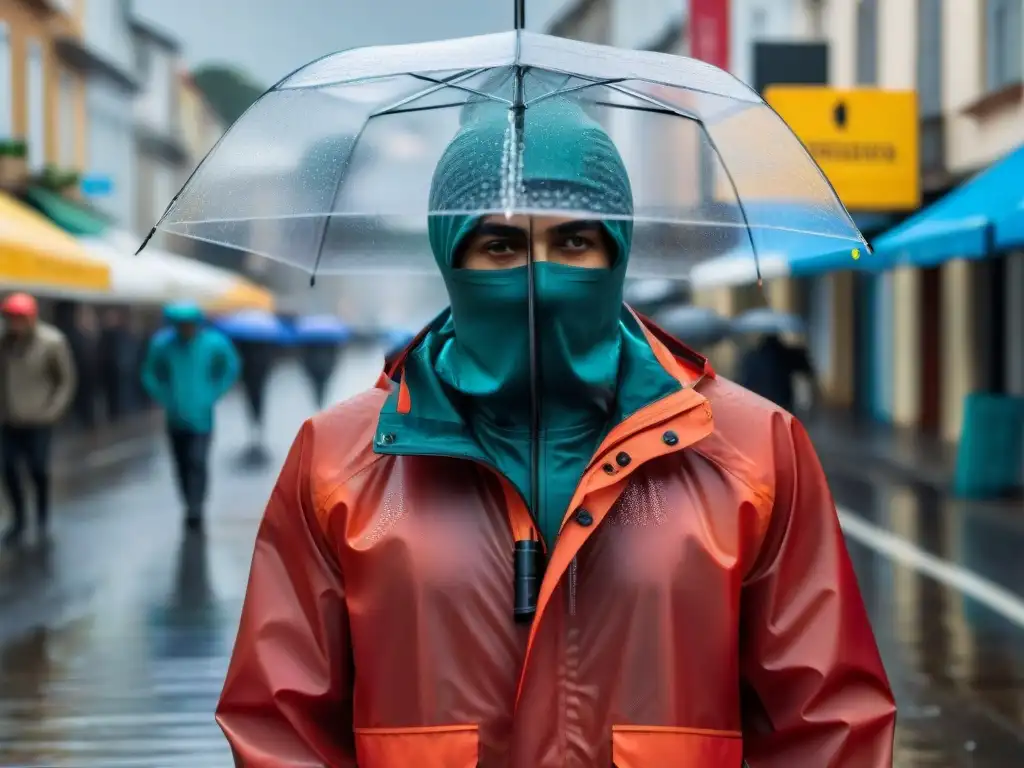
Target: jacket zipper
{"x": 572, "y": 587}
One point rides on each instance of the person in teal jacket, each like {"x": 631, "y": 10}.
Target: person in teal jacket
{"x": 189, "y": 366}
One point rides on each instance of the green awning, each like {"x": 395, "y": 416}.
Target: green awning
{"x": 66, "y": 214}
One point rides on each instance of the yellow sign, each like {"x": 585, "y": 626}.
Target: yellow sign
{"x": 864, "y": 139}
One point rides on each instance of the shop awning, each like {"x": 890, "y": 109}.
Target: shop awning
{"x": 69, "y": 216}
{"x": 1009, "y": 233}
{"x": 216, "y": 290}
{"x": 242, "y": 295}
{"x": 37, "y": 256}
{"x": 134, "y": 279}
{"x": 963, "y": 223}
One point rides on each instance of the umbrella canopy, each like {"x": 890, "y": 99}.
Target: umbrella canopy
{"x": 767, "y": 320}
{"x": 698, "y": 326}
{"x": 321, "y": 329}
{"x": 255, "y": 325}
{"x": 355, "y": 139}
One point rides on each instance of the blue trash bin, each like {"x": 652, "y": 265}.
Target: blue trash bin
{"x": 990, "y": 456}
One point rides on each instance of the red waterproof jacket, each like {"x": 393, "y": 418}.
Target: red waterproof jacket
{"x": 698, "y": 610}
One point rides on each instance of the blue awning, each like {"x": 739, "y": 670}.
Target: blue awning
{"x": 1010, "y": 230}
{"x": 961, "y": 224}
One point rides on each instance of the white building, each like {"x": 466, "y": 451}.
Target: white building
{"x": 104, "y": 55}
{"x": 162, "y": 154}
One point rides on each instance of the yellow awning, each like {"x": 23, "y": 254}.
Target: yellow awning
{"x": 37, "y": 255}
{"x": 242, "y": 295}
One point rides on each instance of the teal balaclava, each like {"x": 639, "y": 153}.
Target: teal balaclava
{"x": 568, "y": 163}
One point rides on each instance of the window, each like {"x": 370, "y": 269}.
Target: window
{"x": 929, "y": 57}
{"x": 68, "y": 119}
{"x": 867, "y": 42}
{"x": 6, "y": 86}
{"x": 1004, "y": 63}
{"x": 36, "y": 106}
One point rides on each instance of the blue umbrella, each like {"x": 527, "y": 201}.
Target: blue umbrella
{"x": 254, "y": 325}
{"x": 321, "y": 329}
{"x": 698, "y": 326}
{"x": 396, "y": 338}
{"x": 766, "y": 320}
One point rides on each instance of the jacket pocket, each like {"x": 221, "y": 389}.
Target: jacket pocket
{"x": 647, "y": 746}
{"x": 438, "y": 746}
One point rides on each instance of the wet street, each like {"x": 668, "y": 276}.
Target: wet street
{"x": 114, "y": 643}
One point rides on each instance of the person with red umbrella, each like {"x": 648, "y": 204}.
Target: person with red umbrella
{"x": 37, "y": 383}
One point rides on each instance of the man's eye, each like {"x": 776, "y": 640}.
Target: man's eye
{"x": 577, "y": 243}
{"x": 499, "y": 248}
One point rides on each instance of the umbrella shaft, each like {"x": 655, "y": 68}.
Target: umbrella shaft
{"x": 520, "y": 21}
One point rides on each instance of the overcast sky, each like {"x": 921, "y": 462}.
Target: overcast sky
{"x": 270, "y": 38}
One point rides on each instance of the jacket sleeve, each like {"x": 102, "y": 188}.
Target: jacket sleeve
{"x": 818, "y": 693}
{"x": 287, "y": 699}
{"x": 65, "y": 377}
{"x": 151, "y": 379}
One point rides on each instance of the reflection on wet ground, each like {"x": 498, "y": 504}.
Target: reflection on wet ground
{"x": 957, "y": 665}
{"x": 114, "y": 643}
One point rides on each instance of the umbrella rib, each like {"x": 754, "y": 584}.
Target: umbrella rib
{"x": 440, "y": 85}
{"x": 466, "y": 89}
{"x": 678, "y": 111}
{"x": 634, "y": 108}
{"x": 410, "y": 110}
{"x": 739, "y": 202}
{"x": 334, "y": 201}
{"x": 574, "y": 89}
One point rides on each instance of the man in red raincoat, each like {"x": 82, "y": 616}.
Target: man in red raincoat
{"x": 697, "y": 607}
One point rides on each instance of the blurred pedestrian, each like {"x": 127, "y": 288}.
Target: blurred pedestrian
{"x": 319, "y": 361}
{"x": 115, "y": 362}
{"x": 770, "y": 367}
{"x": 257, "y": 361}
{"x": 625, "y": 560}
{"x": 37, "y": 384}
{"x": 188, "y": 368}
{"x": 84, "y": 341}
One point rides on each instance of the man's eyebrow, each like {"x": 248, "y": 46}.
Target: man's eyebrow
{"x": 575, "y": 227}
{"x": 491, "y": 229}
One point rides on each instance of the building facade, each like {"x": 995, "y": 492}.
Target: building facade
{"x": 917, "y": 341}
{"x": 161, "y": 152}
{"x": 906, "y": 345}
{"x": 42, "y": 101}
{"x": 201, "y": 127}
{"x": 103, "y": 55}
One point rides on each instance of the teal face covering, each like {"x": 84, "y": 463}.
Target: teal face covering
{"x": 568, "y": 163}
{"x": 578, "y": 340}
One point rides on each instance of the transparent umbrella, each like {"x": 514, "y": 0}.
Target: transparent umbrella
{"x": 331, "y": 169}
{"x": 392, "y": 159}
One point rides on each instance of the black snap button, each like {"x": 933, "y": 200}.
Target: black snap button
{"x": 608, "y": 469}
{"x": 670, "y": 438}
{"x": 623, "y": 459}
{"x": 387, "y": 438}
{"x": 583, "y": 517}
